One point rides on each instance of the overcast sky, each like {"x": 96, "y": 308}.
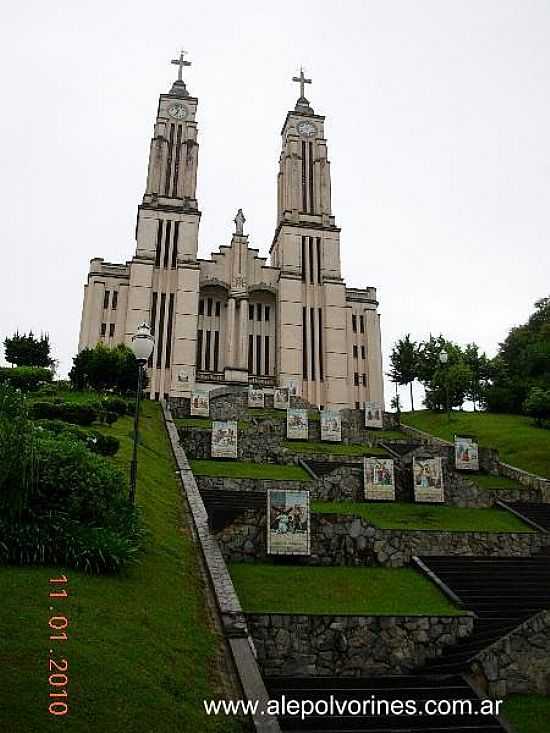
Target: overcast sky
{"x": 438, "y": 120}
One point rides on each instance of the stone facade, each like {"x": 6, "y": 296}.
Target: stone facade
{"x": 235, "y": 318}
{"x": 340, "y": 539}
{"x": 519, "y": 663}
{"x": 351, "y": 646}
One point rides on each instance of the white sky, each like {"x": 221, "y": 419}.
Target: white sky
{"x": 438, "y": 119}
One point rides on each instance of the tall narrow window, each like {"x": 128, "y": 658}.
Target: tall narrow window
{"x": 304, "y": 259}
{"x": 250, "y": 353}
{"x": 218, "y": 308}
{"x": 103, "y": 329}
{"x": 355, "y": 351}
{"x": 167, "y": 243}
{"x": 267, "y": 309}
{"x": 266, "y": 355}
{"x": 216, "y": 350}
{"x": 364, "y": 380}
{"x": 311, "y": 198}
{"x": 111, "y": 330}
{"x": 175, "y": 245}
{"x": 312, "y": 335}
{"x": 304, "y": 177}
{"x": 207, "y": 352}
{"x": 321, "y": 365}
{"x": 209, "y": 309}
{"x": 106, "y": 299}
{"x": 362, "y": 352}
{"x": 361, "y": 324}
{"x": 201, "y": 307}
{"x": 250, "y": 312}
{"x": 115, "y": 300}
{"x": 258, "y": 312}
{"x": 159, "y": 242}
{"x": 354, "y": 323}
{"x": 356, "y": 379}
{"x": 199, "y": 348}
{"x": 160, "y": 341}
{"x": 311, "y": 266}
{"x": 258, "y": 354}
{"x": 177, "y": 163}
{"x": 169, "y": 330}
{"x": 169, "y": 162}
{"x": 153, "y": 322}
{"x": 318, "y": 243}
{"x": 304, "y": 343}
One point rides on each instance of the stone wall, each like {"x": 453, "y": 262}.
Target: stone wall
{"x": 259, "y": 443}
{"x": 351, "y": 646}
{"x": 519, "y": 663}
{"x": 340, "y": 539}
{"x": 225, "y": 483}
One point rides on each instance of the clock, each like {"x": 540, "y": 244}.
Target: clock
{"x": 177, "y": 111}
{"x": 305, "y": 128}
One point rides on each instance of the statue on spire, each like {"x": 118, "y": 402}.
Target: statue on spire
{"x": 239, "y": 223}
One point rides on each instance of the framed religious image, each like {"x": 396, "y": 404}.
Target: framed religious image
{"x": 293, "y": 387}
{"x": 224, "y": 439}
{"x": 331, "y": 426}
{"x": 186, "y": 375}
{"x": 288, "y": 522}
{"x": 296, "y": 424}
{"x": 200, "y": 402}
{"x": 256, "y": 398}
{"x": 466, "y": 453}
{"x": 428, "y": 480}
{"x": 280, "y": 398}
{"x": 379, "y": 479}
{"x": 374, "y": 415}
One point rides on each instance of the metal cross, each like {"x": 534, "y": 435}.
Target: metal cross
{"x": 302, "y": 81}
{"x": 181, "y": 63}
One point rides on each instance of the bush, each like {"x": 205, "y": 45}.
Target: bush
{"x": 104, "y": 445}
{"x": 537, "y": 405}
{"x": 27, "y": 379}
{"x": 116, "y": 404}
{"x": 17, "y": 459}
{"x": 78, "y": 413}
{"x": 102, "y": 368}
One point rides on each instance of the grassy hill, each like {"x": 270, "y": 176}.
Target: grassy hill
{"x": 515, "y": 437}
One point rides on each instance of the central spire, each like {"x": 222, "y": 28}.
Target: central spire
{"x": 302, "y": 105}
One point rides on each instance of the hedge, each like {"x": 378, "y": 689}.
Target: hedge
{"x": 26, "y": 379}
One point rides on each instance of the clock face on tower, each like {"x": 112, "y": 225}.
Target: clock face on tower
{"x": 305, "y": 128}
{"x": 177, "y": 111}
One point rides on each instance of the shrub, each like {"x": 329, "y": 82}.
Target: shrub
{"x": 102, "y": 368}
{"x": 116, "y": 404}
{"x": 27, "y": 379}
{"x": 104, "y": 445}
{"x": 17, "y": 459}
{"x": 78, "y": 413}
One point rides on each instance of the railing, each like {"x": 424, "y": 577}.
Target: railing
{"x": 219, "y": 378}
{"x": 210, "y": 377}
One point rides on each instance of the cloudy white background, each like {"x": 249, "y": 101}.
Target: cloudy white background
{"x": 438, "y": 125}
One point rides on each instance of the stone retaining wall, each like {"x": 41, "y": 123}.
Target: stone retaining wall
{"x": 224, "y": 483}
{"x": 519, "y": 663}
{"x": 339, "y": 539}
{"x": 351, "y": 646}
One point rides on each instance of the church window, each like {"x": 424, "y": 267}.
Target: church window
{"x": 160, "y": 342}
{"x": 157, "y": 396}
{"x": 304, "y": 343}
{"x": 177, "y": 163}
{"x": 354, "y": 323}
{"x": 218, "y": 308}
{"x": 199, "y": 348}
{"x": 364, "y": 380}
{"x": 103, "y": 329}
{"x": 312, "y": 335}
{"x": 250, "y": 353}
{"x": 209, "y": 309}
{"x": 216, "y": 350}
{"x": 159, "y": 243}
{"x": 250, "y": 312}
{"x": 304, "y": 177}
{"x": 111, "y": 330}
{"x": 356, "y": 379}
{"x": 201, "y": 307}
{"x": 169, "y": 162}
{"x": 106, "y": 299}
{"x": 362, "y": 352}
{"x": 361, "y": 324}
{"x": 175, "y": 245}
{"x": 321, "y": 366}
{"x": 167, "y": 243}
{"x": 153, "y": 322}
{"x": 318, "y": 243}
{"x": 266, "y": 355}
{"x": 207, "y": 352}
{"x": 311, "y": 269}
{"x": 258, "y": 354}
{"x": 169, "y": 330}
{"x": 259, "y": 312}
{"x": 311, "y": 208}
{"x": 115, "y": 300}
{"x": 357, "y": 405}
{"x": 355, "y": 351}
{"x": 267, "y": 309}
{"x": 304, "y": 259}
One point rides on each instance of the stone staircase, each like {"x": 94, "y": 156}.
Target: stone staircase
{"x": 415, "y": 688}
{"x": 223, "y": 507}
{"x": 536, "y": 514}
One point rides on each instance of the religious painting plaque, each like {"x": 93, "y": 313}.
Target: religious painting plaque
{"x": 379, "y": 479}
{"x": 331, "y": 426}
{"x": 224, "y": 439}
{"x": 428, "y": 480}
{"x": 288, "y": 522}
{"x": 296, "y": 424}
{"x": 374, "y": 415}
{"x": 256, "y": 397}
{"x": 466, "y": 453}
{"x": 200, "y": 402}
{"x": 280, "y": 398}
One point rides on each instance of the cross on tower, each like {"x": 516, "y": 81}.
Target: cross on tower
{"x": 180, "y": 63}
{"x": 302, "y": 81}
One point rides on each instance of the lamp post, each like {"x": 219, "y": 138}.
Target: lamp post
{"x": 444, "y": 358}
{"x": 142, "y": 345}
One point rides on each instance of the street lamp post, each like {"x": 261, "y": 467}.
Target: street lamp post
{"x": 143, "y": 344}
{"x": 444, "y": 358}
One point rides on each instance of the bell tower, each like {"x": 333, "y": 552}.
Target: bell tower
{"x": 306, "y": 248}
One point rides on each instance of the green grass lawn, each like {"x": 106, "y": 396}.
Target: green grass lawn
{"x": 528, "y": 713}
{"x": 270, "y": 413}
{"x": 337, "y": 590}
{"x": 242, "y": 469}
{"x": 193, "y": 422}
{"x": 487, "y": 481}
{"x": 515, "y": 437}
{"x": 417, "y": 516}
{"x": 140, "y": 650}
{"x": 335, "y": 449}
{"x": 387, "y": 434}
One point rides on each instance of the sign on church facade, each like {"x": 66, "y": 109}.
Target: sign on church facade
{"x": 379, "y": 479}
{"x": 224, "y": 439}
{"x": 331, "y": 426}
{"x": 428, "y": 480}
{"x": 296, "y": 424}
{"x": 256, "y": 398}
{"x": 280, "y": 398}
{"x": 374, "y": 414}
{"x": 466, "y": 453}
{"x": 200, "y": 402}
{"x": 288, "y": 522}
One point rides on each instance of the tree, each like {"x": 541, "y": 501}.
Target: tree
{"x": 479, "y": 367}
{"x": 102, "y": 368}
{"x": 537, "y": 405}
{"x": 404, "y": 364}
{"x": 26, "y": 350}
{"x": 450, "y": 381}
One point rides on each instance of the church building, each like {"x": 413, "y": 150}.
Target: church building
{"x": 235, "y": 318}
